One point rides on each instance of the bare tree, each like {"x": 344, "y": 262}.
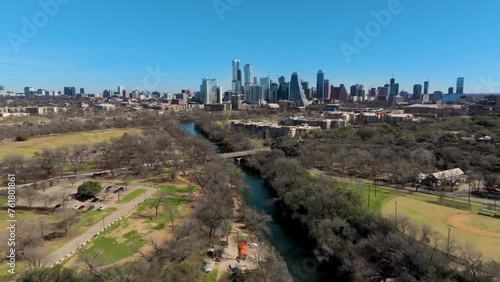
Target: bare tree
{"x": 36, "y": 256}
{"x": 69, "y": 219}
{"x": 270, "y": 265}
{"x": 77, "y": 157}
{"x": 47, "y": 200}
{"x": 473, "y": 262}
{"x": 157, "y": 201}
{"x": 61, "y": 198}
{"x": 30, "y": 195}
{"x": 453, "y": 177}
{"x": 172, "y": 211}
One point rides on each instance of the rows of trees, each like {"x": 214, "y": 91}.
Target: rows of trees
{"x": 352, "y": 243}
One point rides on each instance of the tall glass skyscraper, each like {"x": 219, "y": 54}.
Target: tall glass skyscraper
{"x": 460, "y": 85}
{"x": 426, "y": 87}
{"x": 236, "y": 82}
{"x": 248, "y": 71}
{"x": 320, "y": 85}
{"x": 296, "y": 91}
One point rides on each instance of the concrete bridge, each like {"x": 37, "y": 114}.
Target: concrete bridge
{"x": 243, "y": 153}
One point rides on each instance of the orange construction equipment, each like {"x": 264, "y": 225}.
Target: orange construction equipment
{"x": 242, "y": 248}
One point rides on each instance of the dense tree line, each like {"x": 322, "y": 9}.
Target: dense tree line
{"x": 351, "y": 242}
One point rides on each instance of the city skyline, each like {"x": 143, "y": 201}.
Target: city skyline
{"x": 99, "y": 54}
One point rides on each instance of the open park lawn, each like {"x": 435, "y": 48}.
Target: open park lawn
{"x": 32, "y": 145}
{"x": 482, "y": 231}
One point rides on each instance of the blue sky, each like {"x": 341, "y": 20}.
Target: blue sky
{"x": 100, "y": 44}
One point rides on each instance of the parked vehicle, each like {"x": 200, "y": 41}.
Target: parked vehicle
{"x": 91, "y": 207}
{"x": 101, "y": 208}
{"x": 95, "y": 199}
{"x": 76, "y": 207}
{"x": 57, "y": 206}
{"x": 81, "y": 207}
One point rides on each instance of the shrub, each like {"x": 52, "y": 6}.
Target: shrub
{"x": 89, "y": 188}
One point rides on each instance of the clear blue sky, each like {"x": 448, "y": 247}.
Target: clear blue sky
{"x": 100, "y": 44}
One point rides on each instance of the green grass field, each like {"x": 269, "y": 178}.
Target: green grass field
{"x": 90, "y": 218}
{"x": 211, "y": 277}
{"x": 110, "y": 250}
{"x": 29, "y": 147}
{"x": 440, "y": 217}
{"x": 130, "y": 196}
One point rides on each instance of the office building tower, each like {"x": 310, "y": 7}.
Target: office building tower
{"x": 460, "y": 85}
{"x": 213, "y": 96}
{"x": 343, "y": 95}
{"x": 28, "y": 91}
{"x": 255, "y": 94}
{"x": 82, "y": 91}
{"x": 320, "y": 84}
{"x": 237, "y": 81}
{"x": 248, "y": 70}
{"x": 426, "y": 87}
{"x": 219, "y": 95}
{"x": 450, "y": 90}
{"x": 2, "y": 88}
{"x": 296, "y": 92}
{"x": 354, "y": 90}
{"x": 283, "y": 89}
{"x": 417, "y": 92}
{"x": 326, "y": 90}
{"x": 265, "y": 82}
{"x": 255, "y": 81}
{"x": 273, "y": 93}
{"x": 438, "y": 96}
{"x": 70, "y": 91}
{"x": 205, "y": 89}
{"x": 120, "y": 90}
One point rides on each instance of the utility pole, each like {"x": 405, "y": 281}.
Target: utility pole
{"x": 448, "y": 249}
{"x": 42, "y": 231}
{"x": 469, "y": 189}
{"x": 396, "y": 216}
{"x": 369, "y": 192}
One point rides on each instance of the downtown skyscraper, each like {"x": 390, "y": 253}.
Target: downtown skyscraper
{"x": 460, "y": 85}
{"x": 248, "y": 71}
{"x": 320, "y": 85}
{"x": 296, "y": 92}
{"x": 237, "y": 78}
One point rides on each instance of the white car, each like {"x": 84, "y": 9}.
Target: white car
{"x": 76, "y": 207}
{"x": 101, "y": 208}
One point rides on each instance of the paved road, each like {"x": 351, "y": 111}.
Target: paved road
{"x": 122, "y": 210}
{"x": 458, "y": 194}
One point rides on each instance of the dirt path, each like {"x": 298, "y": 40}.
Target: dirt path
{"x": 457, "y": 221}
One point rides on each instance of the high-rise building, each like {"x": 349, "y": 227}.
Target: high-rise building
{"x": 450, "y": 90}
{"x": 326, "y": 89}
{"x": 213, "y": 96}
{"x": 255, "y": 94}
{"x": 28, "y": 91}
{"x": 120, "y": 90}
{"x": 255, "y": 81}
{"x": 307, "y": 90}
{"x": 70, "y": 91}
{"x": 426, "y": 87}
{"x": 265, "y": 82}
{"x": 2, "y": 88}
{"x": 320, "y": 84}
{"x": 438, "y": 95}
{"x": 82, "y": 91}
{"x": 236, "y": 82}
{"x": 353, "y": 90}
{"x": 343, "y": 95}
{"x": 205, "y": 91}
{"x": 417, "y": 92}
{"x": 296, "y": 91}
{"x": 273, "y": 93}
{"x": 248, "y": 70}
{"x": 460, "y": 85}
{"x": 283, "y": 89}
